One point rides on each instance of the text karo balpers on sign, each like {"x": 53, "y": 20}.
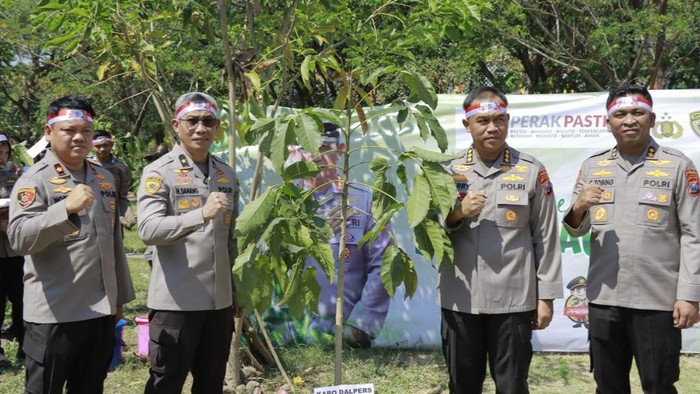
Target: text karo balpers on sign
{"x": 367, "y": 388}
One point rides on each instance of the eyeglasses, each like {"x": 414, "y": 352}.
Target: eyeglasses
{"x": 191, "y": 123}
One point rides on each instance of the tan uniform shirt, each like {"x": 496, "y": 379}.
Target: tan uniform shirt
{"x": 645, "y": 233}
{"x": 122, "y": 180}
{"x": 508, "y": 256}
{"x": 192, "y": 259}
{"x": 76, "y": 268}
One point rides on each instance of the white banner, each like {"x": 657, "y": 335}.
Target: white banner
{"x": 561, "y": 130}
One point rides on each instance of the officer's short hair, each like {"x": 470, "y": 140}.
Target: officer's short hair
{"x": 628, "y": 89}
{"x": 478, "y": 92}
{"x": 70, "y": 102}
{"x": 196, "y": 97}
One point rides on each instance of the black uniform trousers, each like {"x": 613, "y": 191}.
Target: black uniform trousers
{"x": 76, "y": 354}
{"x": 184, "y": 341}
{"x": 469, "y": 339}
{"x": 12, "y": 289}
{"x": 617, "y": 334}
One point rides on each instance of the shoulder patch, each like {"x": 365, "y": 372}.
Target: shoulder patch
{"x": 152, "y": 184}
{"x": 26, "y": 197}
{"x": 691, "y": 177}
{"x": 546, "y": 184}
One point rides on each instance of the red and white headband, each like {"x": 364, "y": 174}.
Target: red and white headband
{"x": 629, "y": 101}
{"x": 101, "y": 138}
{"x": 485, "y": 106}
{"x": 195, "y": 106}
{"x": 69, "y": 114}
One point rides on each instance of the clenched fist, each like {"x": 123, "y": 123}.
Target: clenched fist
{"x": 81, "y": 197}
{"x": 216, "y": 204}
{"x": 589, "y": 196}
{"x": 473, "y": 203}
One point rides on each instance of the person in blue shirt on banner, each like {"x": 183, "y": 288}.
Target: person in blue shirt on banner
{"x": 366, "y": 302}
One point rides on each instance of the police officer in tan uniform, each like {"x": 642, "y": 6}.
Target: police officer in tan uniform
{"x": 103, "y": 144}
{"x": 186, "y": 211}
{"x": 640, "y": 202}
{"x": 63, "y": 217}
{"x": 507, "y": 261}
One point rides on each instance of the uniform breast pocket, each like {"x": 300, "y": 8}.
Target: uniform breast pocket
{"x": 654, "y": 207}
{"x": 603, "y": 213}
{"x": 512, "y": 208}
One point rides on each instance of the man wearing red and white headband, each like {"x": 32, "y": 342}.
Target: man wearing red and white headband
{"x": 76, "y": 273}
{"x": 187, "y": 205}
{"x": 103, "y": 143}
{"x": 641, "y": 203}
{"x": 507, "y": 261}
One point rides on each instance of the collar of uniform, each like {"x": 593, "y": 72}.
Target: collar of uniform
{"x": 505, "y": 158}
{"x": 651, "y": 151}
{"x": 54, "y": 162}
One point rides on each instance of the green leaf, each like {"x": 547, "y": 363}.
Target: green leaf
{"x": 402, "y": 116}
{"x": 308, "y": 133}
{"x": 341, "y": 98}
{"x": 380, "y": 224}
{"x": 418, "y": 201}
{"x": 300, "y": 170}
{"x": 436, "y": 129}
{"x": 323, "y": 253}
{"x": 101, "y": 71}
{"x": 306, "y": 64}
{"x": 256, "y": 213}
{"x": 398, "y": 268}
{"x": 442, "y": 187}
{"x": 262, "y": 126}
{"x": 427, "y": 155}
{"x": 437, "y": 237}
{"x": 422, "y": 126}
{"x": 422, "y": 241}
{"x": 421, "y": 88}
{"x": 401, "y": 173}
{"x": 280, "y": 143}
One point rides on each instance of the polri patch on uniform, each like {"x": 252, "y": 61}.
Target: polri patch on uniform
{"x": 223, "y": 180}
{"x": 26, "y": 197}
{"x": 57, "y": 181}
{"x": 546, "y": 184}
{"x": 152, "y": 184}
{"x": 691, "y": 176}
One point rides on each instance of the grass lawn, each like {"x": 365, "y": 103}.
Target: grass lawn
{"x": 391, "y": 370}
